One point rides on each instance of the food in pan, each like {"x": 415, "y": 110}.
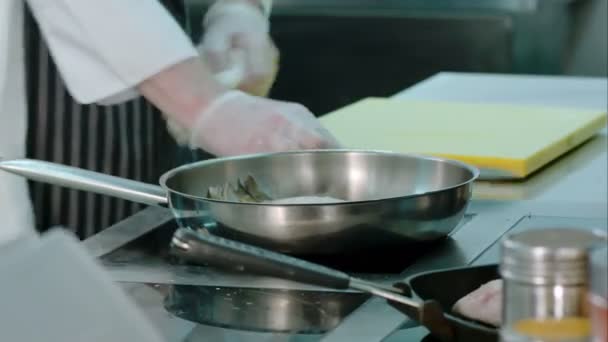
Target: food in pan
{"x": 249, "y": 191}
{"x": 243, "y": 191}
{"x": 484, "y": 304}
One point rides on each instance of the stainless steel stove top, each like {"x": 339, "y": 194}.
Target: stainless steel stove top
{"x": 193, "y": 303}
{"x": 206, "y": 296}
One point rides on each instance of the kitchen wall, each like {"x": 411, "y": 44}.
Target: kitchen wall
{"x": 589, "y": 46}
{"x": 328, "y": 62}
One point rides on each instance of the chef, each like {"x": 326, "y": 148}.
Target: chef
{"x": 94, "y": 84}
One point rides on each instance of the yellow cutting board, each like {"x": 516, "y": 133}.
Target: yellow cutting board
{"x": 504, "y": 141}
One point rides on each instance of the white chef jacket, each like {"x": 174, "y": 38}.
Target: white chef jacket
{"x": 103, "y": 49}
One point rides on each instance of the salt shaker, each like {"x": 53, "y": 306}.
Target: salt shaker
{"x": 598, "y": 293}
{"x": 545, "y": 273}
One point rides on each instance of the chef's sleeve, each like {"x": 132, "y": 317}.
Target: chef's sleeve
{"x": 105, "y": 48}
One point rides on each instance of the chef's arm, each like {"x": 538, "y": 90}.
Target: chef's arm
{"x": 104, "y": 48}
{"x": 182, "y": 90}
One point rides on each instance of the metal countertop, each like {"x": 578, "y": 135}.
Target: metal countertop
{"x": 570, "y": 191}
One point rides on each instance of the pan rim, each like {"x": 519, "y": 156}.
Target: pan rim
{"x": 474, "y": 171}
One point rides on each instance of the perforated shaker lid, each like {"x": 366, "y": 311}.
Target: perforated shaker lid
{"x": 549, "y": 255}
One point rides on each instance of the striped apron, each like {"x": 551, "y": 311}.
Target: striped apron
{"x": 127, "y": 140}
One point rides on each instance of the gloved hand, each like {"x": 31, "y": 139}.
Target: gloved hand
{"x": 239, "y": 123}
{"x": 237, "y": 32}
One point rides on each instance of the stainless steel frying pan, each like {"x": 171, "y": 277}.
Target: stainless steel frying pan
{"x": 391, "y": 198}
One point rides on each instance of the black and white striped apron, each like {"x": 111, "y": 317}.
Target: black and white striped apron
{"x": 125, "y": 140}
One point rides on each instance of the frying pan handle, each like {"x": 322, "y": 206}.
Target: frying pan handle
{"x": 429, "y": 315}
{"x": 80, "y": 179}
{"x": 231, "y": 255}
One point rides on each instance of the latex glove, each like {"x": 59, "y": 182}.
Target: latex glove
{"x": 238, "y": 123}
{"x": 237, "y": 33}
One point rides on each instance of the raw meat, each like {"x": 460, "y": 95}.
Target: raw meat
{"x": 484, "y": 304}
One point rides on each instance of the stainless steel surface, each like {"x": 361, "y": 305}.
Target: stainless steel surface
{"x": 263, "y": 309}
{"x": 489, "y": 222}
{"x": 545, "y": 273}
{"x": 373, "y": 320}
{"x": 239, "y": 257}
{"x": 573, "y": 193}
{"x": 391, "y": 199}
{"x": 380, "y": 291}
{"x": 151, "y": 266}
{"x": 471, "y": 247}
{"x": 127, "y": 230}
{"x": 235, "y": 256}
{"x": 229, "y": 255}
{"x": 79, "y": 179}
{"x": 229, "y": 300}
{"x": 549, "y": 256}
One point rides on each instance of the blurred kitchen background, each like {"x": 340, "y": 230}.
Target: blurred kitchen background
{"x": 334, "y": 52}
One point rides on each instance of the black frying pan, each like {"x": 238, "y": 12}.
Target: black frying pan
{"x": 447, "y": 287}
{"x": 219, "y": 252}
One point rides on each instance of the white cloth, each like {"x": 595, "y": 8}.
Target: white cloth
{"x": 16, "y": 218}
{"x": 102, "y": 49}
{"x": 46, "y": 295}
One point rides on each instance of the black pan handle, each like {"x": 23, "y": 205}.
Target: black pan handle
{"x": 231, "y": 255}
